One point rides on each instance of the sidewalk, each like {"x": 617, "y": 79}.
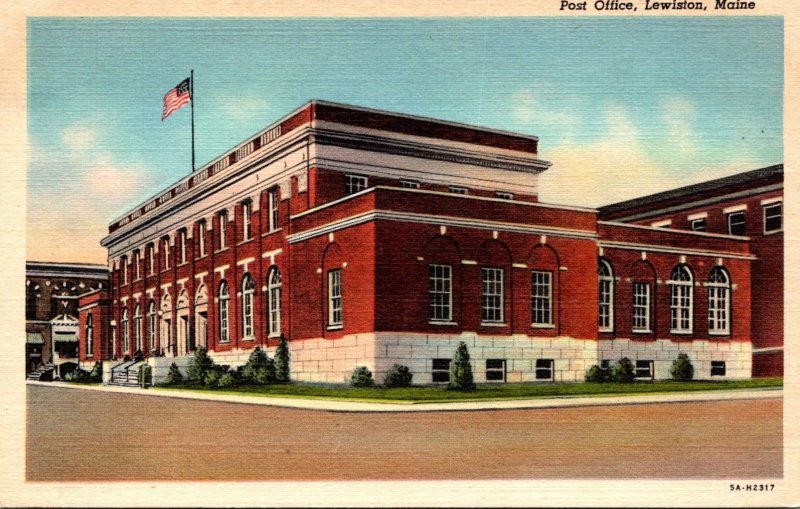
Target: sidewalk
{"x": 368, "y": 406}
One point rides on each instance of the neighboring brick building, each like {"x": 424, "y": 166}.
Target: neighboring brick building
{"x": 373, "y": 238}
{"x": 51, "y": 312}
{"x": 748, "y": 204}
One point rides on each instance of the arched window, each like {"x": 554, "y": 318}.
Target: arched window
{"x": 274, "y": 302}
{"x": 137, "y": 327}
{"x": 681, "y": 300}
{"x": 89, "y": 336}
{"x": 719, "y": 301}
{"x": 224, "y": 303}
{"x": 605, "y": 275}
{"x": 248, "y": 289}
{"x": 151, "y": 325}
{"x": 126, "y": 336}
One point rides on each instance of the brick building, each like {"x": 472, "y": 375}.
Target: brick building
{"x": 372, "y": 238}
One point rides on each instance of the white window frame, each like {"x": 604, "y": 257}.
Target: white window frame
{"x": 223, "y": 310}
{"x": 730, "y": 216}
{"x": 201, "y": 237}
{"x": 223, "y": 230}
{"x": 681, "y": 306}
{"x": 504, "y": 195}
{"x": 354, "y": 184}
{"x": 501, "y": 370}
{"x": 335, "y": 304}
{"x": 126, "y": 332}
{"x": 719, "y": 303}
{"x": 137, "y": 327}
{"x": 248, "y": 293}
{"x": 166, "y": 253}
{"x": 409, "y": 184}
{"x": 272, "y": 206}
{"x": 458, "y": 190}
{"x": 440, "y": 293}
{"x": 699, "y": 220}
{"x": 151, "y": 326}
{"x": 650, "y": 369}
{"x": 546, "y": 308}
{"x": 151, "y": 258}
{"x": 605, "y": 276}
{"x": 274, "y": 302}
{"x": 492, "y": 296}
{"x": 136, "y": 265}
{"x": 778, "y": 204}
{"x": 640, "y": 307}
{"x": 182, "y": 236}
{"x": 247, "y": 233}
{"x": 441, "y": 371}
{"x": 547, "y": 366}
{"x": 89, "y": 335}
{"x": 124, "y": 263}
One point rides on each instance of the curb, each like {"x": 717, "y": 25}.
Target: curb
{"x": 456, "y": 406}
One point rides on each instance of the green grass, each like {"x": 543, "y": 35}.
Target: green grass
{"x": 429, "y": 394}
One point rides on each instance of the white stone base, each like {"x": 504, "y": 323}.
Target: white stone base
{"x": 160, "y": 366}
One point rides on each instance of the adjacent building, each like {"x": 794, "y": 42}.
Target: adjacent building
{"x": 369, "y": 238}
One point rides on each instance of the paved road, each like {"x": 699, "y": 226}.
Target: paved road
{"x": 86, "y": 435}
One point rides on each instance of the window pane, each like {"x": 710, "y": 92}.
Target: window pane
{"x": 492, "y": 298}
{"x": 773, "y": 220}
{"x": 736, "y": 223}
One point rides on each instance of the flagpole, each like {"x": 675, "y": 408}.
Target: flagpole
{"x": 191, "y": 100}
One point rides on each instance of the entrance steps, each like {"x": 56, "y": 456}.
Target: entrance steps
{"x": 125, "y": 374}
{"x": 38, "y": 372}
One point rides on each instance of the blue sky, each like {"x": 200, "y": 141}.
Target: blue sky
{"x": 622, "y": 106}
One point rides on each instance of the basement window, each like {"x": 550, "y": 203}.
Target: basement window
{"x": 717, "y": 368}
{"x": 441, "y": 370}
{"x": 544, "y": 369}
{"x": 644, "y": 370}
{"x": 495, "y": 370}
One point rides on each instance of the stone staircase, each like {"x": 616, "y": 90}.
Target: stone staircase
{"x": 38, "y": 372}
{"x": 125, "y": 374}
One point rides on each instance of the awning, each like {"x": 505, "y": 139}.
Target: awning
{"x": 60, "y": 336}
{"x": 35, "y": 338}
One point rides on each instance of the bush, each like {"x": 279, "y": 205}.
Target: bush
{"x": 398, "y": 376}
{"x": 282, "y": 361}
{"x": 138, "y": 356}
{"x": 623, "y": 371}
{"x": 77, "y": 375}
{"x": 259, "y": 368}
{"x": 461, "y": 378}
{"x": 226, "y": 380}
{"x": 174, "y": 376}
{"x": 212, "y": 377}
{"x": 595, "y": 374}
{"x": 145, "y": 375}
{"x": 362, "y": 377}
{"x": 200, "y": 365}
{"x": 682, "y": 369}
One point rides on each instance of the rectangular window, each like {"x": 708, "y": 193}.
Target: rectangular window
{"x": 166, "y": 254}
{"x": 409, "y": 184}
{"x": 137, "y": 266}
{"x": 182, "y": 242}
{"x": 541, "y": 298}
{"x": 201, "y": 238}
{"x": 124, "y": 265}
{"x": 272, "y": 198}
{"x": 223, "y": 230}
{"x": 151, "y": 259}
{"x": 681, "y": 307}
{"x": 773, "y": 217}
{"x": 440, "y": 293}
{"x": 335, "y": 297}
{"x": 246, "y": 213}
{"x": 504, "y": 195}
{"x": 495, "y": 370}
{"x": 718, "y": 298}
{"x": 641, "y": 307}
{"x": 457, "y": 190}
{"x": 605, "y": 310}
{"x": 699, "y": 225}
{"x": 544, "y": 369}
{"x": 492, "y": 298}
{"x": 717, "y": 368}
{"x": 441, "y": 371}
{"x": 354, "y": 184}
{"x": 736, "y": 223}
{"x": 644, "y": 370}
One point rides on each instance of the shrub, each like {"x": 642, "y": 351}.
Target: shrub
{"x": 259, "y": 368}
{"x": 282, "y": 361}
{"x": 595, "y": 374}
{"x": 199, "y": 366}
{"x": 461, "y": 378}
{"x": 77, "y": 375}
{"x": 398, "y": 376}
{"x": 226, "y": 380}
{"x": 362, "y": 377}
{"x": 174, "y": 376}
{"x": 682, "y": 369}
{"x": 138, "y": 356}
{"x": 623, "y": 371}
{"x": 212, "y": 378}
{"x": 145, "y": 375}
{"x": 96, "y": 375}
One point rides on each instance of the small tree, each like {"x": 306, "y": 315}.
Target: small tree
{"x": 174, "y": 375}
{"x": 199, "y": 366}
{"x": 398, "y": 376}
{"x": 259, "y": 369}
{"x": 595, "y": 374}
{"x": 461, "y": 373}
{"x": 282, "y": 359}
{"x": 623, "y": 371}
{"x": 682, "y": 369}
{"x": 96, "y": 375}
{"x": 362, "y": 377}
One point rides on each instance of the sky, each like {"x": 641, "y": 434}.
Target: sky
{"x": 622, "y": 106}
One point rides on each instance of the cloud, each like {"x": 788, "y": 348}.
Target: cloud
{"x": 79, "y": 137}
{"x": 243, "y": 107}
{"x": 527, "y": 108}
{"x": 679, "y": 117}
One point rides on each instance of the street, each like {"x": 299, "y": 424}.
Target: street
{"x": 76, "y": 435}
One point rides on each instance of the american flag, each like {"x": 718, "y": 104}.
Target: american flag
{"x": 175, "y": 98}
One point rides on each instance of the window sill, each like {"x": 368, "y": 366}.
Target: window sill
{"x": 251, "y": 239}
{"x": 272, "y": 232}
{"x": 335, "y": 327}
{"x": 641, "y": 331}
{"x": 720, "y": 334}
{"x": 201, "y": 257}
{"x": 437, "y": 322}
{"x": 222, "y": 250}
{"x": 182, "y": 264}
{"x": 773, "y": 232}
{"x": 274, "y": 335}
{"x": 493, "y": 324}
{"x": 224, "y": 342}
{"x": 681, "y": 332}
{"x": 249, "y": 338}
{"x": 166, "y": 270}
{"x": 606, "y": 331}
{"x": 543, "y": 326}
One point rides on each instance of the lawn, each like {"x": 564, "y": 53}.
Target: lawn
{"x": 431, "y": 394}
